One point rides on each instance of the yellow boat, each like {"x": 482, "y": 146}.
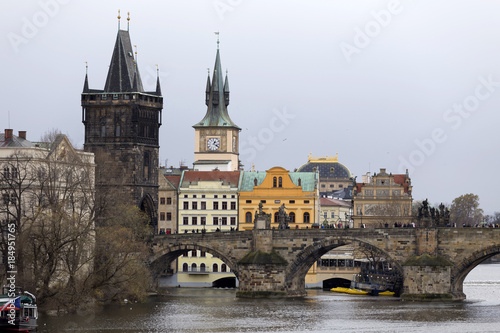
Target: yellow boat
{"x": 339, "y": 289}
{"x": 387, "y": 293}
{"x": 357, "y": 292}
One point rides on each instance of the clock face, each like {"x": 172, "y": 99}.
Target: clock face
{"x": 213, "y": 143}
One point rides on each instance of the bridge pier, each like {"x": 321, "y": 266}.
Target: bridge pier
{"x": 428, "y": 278}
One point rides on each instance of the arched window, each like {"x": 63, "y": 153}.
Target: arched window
{"x": 280, "y": 182}
{"x": 146, "y": 166}
{"x": 306, "y": 217}
{"x": 276, "y": 217}
{"x": 292, "y": 217}
{"x": 193, "y": 267}
{"x": 103, "y": 128}
{"x": 274, "y": 182}
{"x": 248, "y": 217}
{"x": 223, "y": 268}
{"x": 215, "y": 268}
{"x": 185, "y": 267}
{"x": 202, "y": 267}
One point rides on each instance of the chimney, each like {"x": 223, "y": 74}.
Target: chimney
{"x": 22, "y": 134}
{"x": 8, "y": 134}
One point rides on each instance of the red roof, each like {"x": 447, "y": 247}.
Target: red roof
{"x": 333, "y": 202}
{"x": 400, "y": 179}
{"x": 174, "y": 180}
{"x": 227, "y": 177}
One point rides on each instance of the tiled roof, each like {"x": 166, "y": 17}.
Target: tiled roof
{"x": 227, "y": 177}
{"x": 15, "y": 141}
{"x": 333, "y": 202}
{"x": 174, "y": 180}
{"x": 307, "y": 180}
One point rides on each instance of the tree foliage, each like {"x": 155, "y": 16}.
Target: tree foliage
{"x": 465, "y": 210}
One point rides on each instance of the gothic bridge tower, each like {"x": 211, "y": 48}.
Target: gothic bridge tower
{"x": 216, "y": 136}
{"x": 122, "y": 124}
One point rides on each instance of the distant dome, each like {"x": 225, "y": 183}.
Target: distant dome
{"x": 328, "y": 167}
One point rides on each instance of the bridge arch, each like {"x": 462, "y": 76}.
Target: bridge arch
{"x": 462, "y": 269}
{"x": 170, "y": 253}
{"x": 297, "y": 269}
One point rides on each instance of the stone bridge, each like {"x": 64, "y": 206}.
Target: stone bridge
{"x": 431, "y": 263}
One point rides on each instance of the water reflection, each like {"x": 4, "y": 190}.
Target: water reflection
{"x": 218, "y": 310}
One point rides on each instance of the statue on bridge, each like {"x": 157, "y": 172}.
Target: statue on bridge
{"x": 261, "y": 219}
{"x": 283, "y": 218}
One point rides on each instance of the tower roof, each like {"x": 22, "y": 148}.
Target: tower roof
{"x": 122, "y": 69}
{"x": 217, "y": 99}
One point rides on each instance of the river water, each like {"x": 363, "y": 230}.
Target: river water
{"x": 218, "y": 310}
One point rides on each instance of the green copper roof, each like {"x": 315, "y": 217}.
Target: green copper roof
{"x": 248, "y": 179}
{"x": 307, "y": 180}
{"x": 217, "y": 100}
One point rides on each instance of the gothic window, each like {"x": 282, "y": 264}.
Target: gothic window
{"x": 248, "y": 217}
{"x": 146, "y": 166}
{"x": 306, "y": 217}
{"x": 292, "y": 217}
{"x": 280, "y": 182}
{"x": 274, "y": 182}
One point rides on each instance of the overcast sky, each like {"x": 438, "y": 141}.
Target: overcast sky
{"x": 386, "y": 84}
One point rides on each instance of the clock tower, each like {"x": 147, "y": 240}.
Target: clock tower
{"x": 216, "y": 136}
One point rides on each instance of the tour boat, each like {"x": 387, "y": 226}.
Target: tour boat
{"x": 18, "y": 313}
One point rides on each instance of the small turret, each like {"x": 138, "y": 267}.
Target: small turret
{"x": 226, "y": 90}
{"x": 207, "y": 90}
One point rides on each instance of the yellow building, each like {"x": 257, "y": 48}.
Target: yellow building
{"x": 383, "y": 200}
{"x": 275, "y": 187}
{"x": 208, "y": 202}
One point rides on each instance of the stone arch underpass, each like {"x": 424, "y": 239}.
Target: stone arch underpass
{"x": 297, "y": 269}
{"x": 460, "y": 271}
{"x": 431, "y": 263}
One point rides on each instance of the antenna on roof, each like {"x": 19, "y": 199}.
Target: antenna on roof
{"x": 128, "y": 20}
{"x": 119, "y": 17}
{"x": 217, "y": 33}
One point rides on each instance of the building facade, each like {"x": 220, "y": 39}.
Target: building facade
{"x": 167, "y": 202}
{"x": 208, "y": 202}
{"x": 297, "y": 191}
{"x": 122, "y": 124}
{"x": 335, "y": 213}
{"x": 383, "y": 200}
{"x": 47, "y": 193}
